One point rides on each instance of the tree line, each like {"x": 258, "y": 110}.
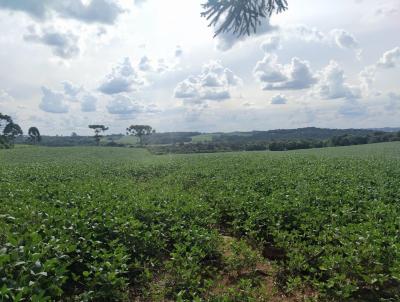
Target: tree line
{"x": 276, "y": 145}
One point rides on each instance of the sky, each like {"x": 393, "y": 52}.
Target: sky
{"x": 65, "y": 64}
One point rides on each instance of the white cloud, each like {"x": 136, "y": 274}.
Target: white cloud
{"x": 279, "y": 99}
{"x": 122, "y": 105}
{"x": 386, "y": 12}
{"x": 346, "y": 40}
{"x": 271, "y": 44}
{"x": 293, "y": 76}
{"x": 53, "y": 101}
{"x": 88, "y": 103}
{"x": 390, "y": 58}
{"x": 305, "y": 33}
{"x": 268, "y": 70}
{"x": 226, "y": 40}
{"x": 63, "y": 44}
{"x": 212, "y": 84}
{"x": 121, "y": 79}
{"x": 394, "y": 96}
{"x": 5, "y": 97}
{"x": 145, "y": 64}
{"x": 332, "y": 84}
{"x": 95, "y": 11}
{"x": 178, "y": 51}
{"x": 367, "y": 77}
{"x": 187, "y": 89}
{"x": 162, "y": 66}
{"x": 339, "y": 37}
{"x": 71, "y": 90}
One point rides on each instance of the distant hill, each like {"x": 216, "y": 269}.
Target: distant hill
{"x": 387, "y": 129}
{"x": 288, "y": 134}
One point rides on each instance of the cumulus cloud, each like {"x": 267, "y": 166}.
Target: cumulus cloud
{"x": 346, "y": 40}
{"x": 271, "y": 44}
{"x": 332, "y": 84}
{"x": 390, "y": 58}
{"x": 36, "y": 9}
{"x": 178, "y": 51}
{"x": 268, "y": 70}
{"x": 305, "y": 33}
{"x": 367, "y": 77}
{"x": 293, "y": 76}
{"x": 53, "y": 101}
{"x": 122, "y": 105}
{"x": 338, "y": 37}
{"x": 122, "y": 78}
{"x": 279, "y": 99}
{"x": 226, "y": 40}
{"x": 5, "y": 97}
{"x": 62, "y": 44}
{"x": 60, "y": 101}
{"x": 71, "y": 89}
{"x": 213, "y": 83}
{"x": 94, "y": 11}
{"x": 144, "y": 64}
{"x": 88, "y": 103}
{"x": 386, "y": 12}
{"x": 162, "y": 66}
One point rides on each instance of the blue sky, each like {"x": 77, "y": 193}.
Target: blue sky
{"x": 66, "y": 64}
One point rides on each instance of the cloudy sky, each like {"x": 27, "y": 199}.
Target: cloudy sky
{"x": 65, "y": 64}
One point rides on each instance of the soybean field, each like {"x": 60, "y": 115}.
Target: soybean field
{"x": 120, "y": 224}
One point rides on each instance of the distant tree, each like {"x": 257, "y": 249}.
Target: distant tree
{"x": 11, "y": 131}
{"x": 97, "y": 130}
{"x": 240, "y": 17}
{"x": 140, "y": 131}
{"x": 34, "y": 135}
{"x": 8, "y": 131}
{"x": 73, "y": 134}
{"x": 4, "y": 121}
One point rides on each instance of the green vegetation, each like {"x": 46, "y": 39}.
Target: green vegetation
{"x": 208, "y": 137}
{"x": 115, "y": 224}
{"x": 242, "y": 143}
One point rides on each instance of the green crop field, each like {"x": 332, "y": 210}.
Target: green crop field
{"x": 203, "y": 138}
{"x": 119, "y": 224}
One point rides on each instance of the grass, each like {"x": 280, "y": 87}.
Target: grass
{"x": 117, "y": 224}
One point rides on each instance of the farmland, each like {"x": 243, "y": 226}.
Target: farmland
{"x": 120, "y": 224}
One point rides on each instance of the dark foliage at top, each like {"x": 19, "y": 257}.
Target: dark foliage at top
{"x": 240, "y": 17}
